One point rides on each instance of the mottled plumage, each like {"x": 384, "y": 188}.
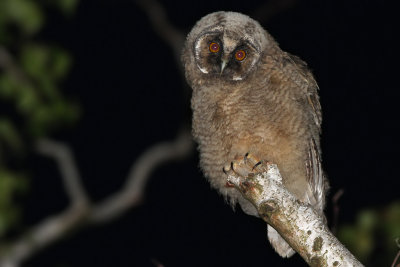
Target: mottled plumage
{"x": 265, "y": 104}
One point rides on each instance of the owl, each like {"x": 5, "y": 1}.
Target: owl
{"x": 250, "y": 97}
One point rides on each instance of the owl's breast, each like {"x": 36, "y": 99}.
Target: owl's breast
{"x": 237, "y": 123}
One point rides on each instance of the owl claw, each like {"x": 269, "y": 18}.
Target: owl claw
{"x": 255, "y": 166}
{"x": 246, "y": 166}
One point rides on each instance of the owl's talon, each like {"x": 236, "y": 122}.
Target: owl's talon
{"x": 246, "y": 166}
{"x": 256, "y": 165}
{"x": 226, "y": 169}
{"x": 253, "y": 160}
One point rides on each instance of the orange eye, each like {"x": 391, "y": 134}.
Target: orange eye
{"x": 214, "y": 47}
{"x": 240, "y": 55}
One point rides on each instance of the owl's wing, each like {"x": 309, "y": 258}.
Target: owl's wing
{"x": 310, "y": 86}
{"x": 315, "y": 175}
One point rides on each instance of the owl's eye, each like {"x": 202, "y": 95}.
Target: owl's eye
{"x": 240, "y": 55}
{"x": 214, "y": 47}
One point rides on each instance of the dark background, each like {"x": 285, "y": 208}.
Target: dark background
{"x": 132, "y": 96}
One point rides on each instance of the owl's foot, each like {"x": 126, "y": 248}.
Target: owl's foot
{"x": 247, "y": 166}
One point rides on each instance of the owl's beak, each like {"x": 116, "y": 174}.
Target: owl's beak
{"x": 223, "y": 65}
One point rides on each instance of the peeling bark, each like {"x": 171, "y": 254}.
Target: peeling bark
{"x": 296, "y": 222}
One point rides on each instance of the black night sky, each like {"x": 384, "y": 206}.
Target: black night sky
{"x": 132, "y": 96}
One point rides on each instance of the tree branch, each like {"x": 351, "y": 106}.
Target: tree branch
{"x": 67, "y": 166}
{"x": 298, "y": 223}
{"x": 163, "y": 27}
{"x": 133, "y": 190}
{"x": 336, "y": 209}
{"x": 80, "y": 213}
{"x": 397, "y": 255}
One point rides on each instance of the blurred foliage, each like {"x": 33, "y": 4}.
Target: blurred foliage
{"x": 10, "y": 182}
{"x": 372, "y": 238}
{"x": 31, "y": 102}
{"x": 23, "y": 16}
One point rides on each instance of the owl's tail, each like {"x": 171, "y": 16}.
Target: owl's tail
{"x": 279, "y": 244}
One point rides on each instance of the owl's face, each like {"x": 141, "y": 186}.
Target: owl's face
{"x": 226, "y": 45}
{"x": 218, "y": 52}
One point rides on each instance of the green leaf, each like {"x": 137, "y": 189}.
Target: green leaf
{"x": 367, "y": 220}
{"x": 5, "y": 37}
{"x": 33, "y": 59}
{"x": 7, "y": 87}
{"x": 358, "y": 241}
{"x": 52, "y": 116}
{"x": 46, "y": 66}
{"x": 61, "y": 63}
{"x": 26, "y": 14}
{"x": 68, "y": 7}
{"x": 9, "y": 135}
{"x": 27, "y": 100}
{"x": 40, "y": 121}
{"x": 11, "y": 183}
{"x": 391, "y": 224}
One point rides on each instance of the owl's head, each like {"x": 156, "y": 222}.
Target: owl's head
{"x": 225, "y": 45}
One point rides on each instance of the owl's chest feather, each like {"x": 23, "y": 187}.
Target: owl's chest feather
{"x": 239, "y": 123}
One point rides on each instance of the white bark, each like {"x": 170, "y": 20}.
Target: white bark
{"x": 297, "y": 222}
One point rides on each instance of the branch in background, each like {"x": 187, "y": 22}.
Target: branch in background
{"x": 156, "y": 263}
{"x": 336, "y": 209}
{"x": 133, "y": 189}
{"x": 397, "y": 255}
{"x": 163, "y": 27}
{"x": 271, "y": 9}
{"x": 80, "y": 213}
{"x": 67, "y": 166}
{"x": 8, "y": 64}
{"x": 296, "y": 222}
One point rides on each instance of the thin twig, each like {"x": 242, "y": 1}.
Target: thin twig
{"x": 395, "y": 259}
{"x": 156, "y": 263}
{"x": 336, "y": 209}
{"x": 163, "y": 27}
{"x": 398, "y": 253}
{"x": 68, "y": 170}
{"x": 170, "y": 34}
